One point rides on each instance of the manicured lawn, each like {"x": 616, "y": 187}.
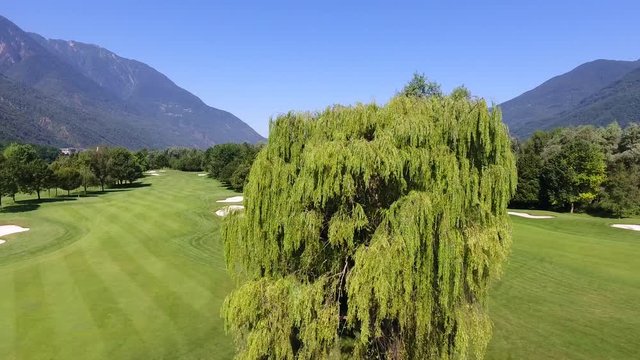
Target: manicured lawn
{"x": 131, "y": 274}
{"x": 139, "y": 274}
{"x": 571, "y": 290}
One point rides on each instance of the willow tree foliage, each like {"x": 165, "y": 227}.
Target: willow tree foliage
{"x": 372, "y": 232}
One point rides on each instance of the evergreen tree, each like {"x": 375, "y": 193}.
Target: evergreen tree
{"x": 372, "y": 232}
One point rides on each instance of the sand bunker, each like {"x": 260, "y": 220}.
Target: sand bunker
{"x": 233, "y": 199}
{"x": 529, "y": 216}
{"x": 163, "y": 171}
{"x": 229, "y": 209}
{"x": 10, "y": 229}
{"x": 627, "y": 227}
{"x": 152, "y": 173}
{"x": 202, "y": 174}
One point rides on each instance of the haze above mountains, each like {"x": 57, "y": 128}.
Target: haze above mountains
{"x": 67, "y": 93}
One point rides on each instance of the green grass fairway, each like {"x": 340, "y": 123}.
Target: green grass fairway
{"x": 131, "y": 274}
{"x": 139, "y": 274}
{"x": 571, "y": 290}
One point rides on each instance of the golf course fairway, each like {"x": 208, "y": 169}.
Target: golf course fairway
{"x": 139, "y": 274}
{"x": 131, "y": 274}
{"x": 570, "y": 290}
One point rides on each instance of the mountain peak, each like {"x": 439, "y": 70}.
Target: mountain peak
{"x": 546, "y": 105}
{"x": 115, "y": 92}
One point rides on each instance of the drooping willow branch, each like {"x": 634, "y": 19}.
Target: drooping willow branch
{"x": 405, "y": 202}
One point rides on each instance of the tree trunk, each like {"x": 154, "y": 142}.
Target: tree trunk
{"x": 68, "y": 192}
{"x": 85, "y": 189}
{"x": 38, "y": 192}
{"x": 572, "y": 208}
{"x": 102, "y": 185}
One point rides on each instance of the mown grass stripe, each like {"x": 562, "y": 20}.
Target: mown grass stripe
{"x": 35, "y": 335}
{"x": 70, "y": 314}
{"x": 167, "y": 298}
{"x": 7, "y": 323}
{"x": 105, "y": 309}
{"x": 163, "y": 304}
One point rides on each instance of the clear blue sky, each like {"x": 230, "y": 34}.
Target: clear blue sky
{"x": 258, "y": 59}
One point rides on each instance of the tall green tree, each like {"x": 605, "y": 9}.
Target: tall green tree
{"x": 142, "y": 157}
{"x": 26, "y": 168}
{"x": 68, "y": 171}
{"x": 230, "y": 163}
{"x": 620, "y": 194}
{"x": 574, "y": 174}
{"x": 68, "y": 178}
{"x": 372, "y": 232}
{"x": 8, "y": 185}
{"x": 122, "y": 166}
{"x": 219, "y": 156}
{"x": 420, "y": 86}
{"x": 82, "y": 163}
{"x": 99, "y": 164}
{"x": 461, "y": 92}
{"x": 529, "y": 163}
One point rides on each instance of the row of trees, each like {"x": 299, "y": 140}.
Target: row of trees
{"x": 229, "y": 163}
{"x": 24, "y": 169}
{"x": 31, "y": 168}
{"x": 585, "y": 168}
{"x": 183, "y": 159}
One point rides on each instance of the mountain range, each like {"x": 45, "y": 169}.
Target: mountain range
{"x": 68, "y": 93}
{"x": 594, "y": 93}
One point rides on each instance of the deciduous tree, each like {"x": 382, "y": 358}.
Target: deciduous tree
{"x": 372, "y": 232}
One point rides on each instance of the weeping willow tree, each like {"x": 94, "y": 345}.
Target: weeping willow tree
{"x": 372, "y": 232}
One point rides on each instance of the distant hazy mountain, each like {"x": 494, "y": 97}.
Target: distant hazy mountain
{"x": 88, "y": 95}
{"x": 597, "y": 92}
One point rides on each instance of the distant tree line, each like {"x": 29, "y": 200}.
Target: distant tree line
{"x": 228, "y": 163}
{"x": 30, "y": 169}
{"x": 582, "y": 168}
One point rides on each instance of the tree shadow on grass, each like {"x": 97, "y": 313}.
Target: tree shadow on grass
{"x": 18, "y": 208}
{"x": 31, "y": 204}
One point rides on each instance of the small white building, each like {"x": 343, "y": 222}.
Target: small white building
{"x": 69, "y": 151}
